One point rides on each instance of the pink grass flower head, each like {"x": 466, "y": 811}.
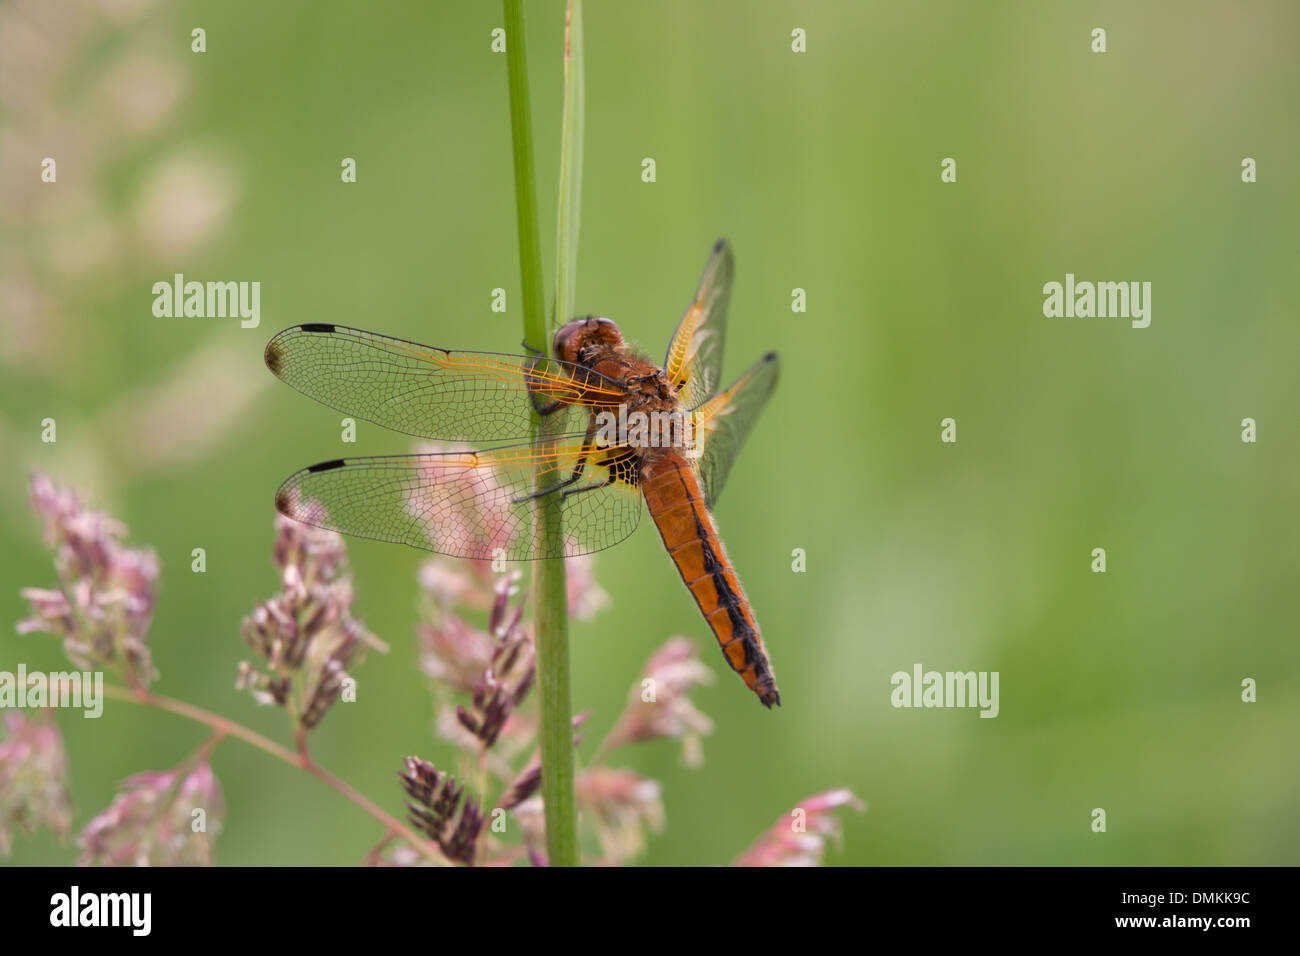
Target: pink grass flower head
{"x": 517, "y": 735}
{"x": 521, "y": 796}
{"x": 584, "y": 596}
{"x": 509, "y": 676}
{"x": 439, "y": 808}
{"x": 467, "y": 584}
{"x": 306, "y": 634}
{"x": 625, "y": 805}
{"x": 495, "y": 666}
{"x": 525, "y": 784}
{"x": 453, "y": 652}
{"x": 659, "y": 706}
{"x": 103, "y": 606}
{"x": 801, "y": 839}
{"x": 530, "y": 815}
{"x": 166, "y": 818}
{"x": 33, "y": 770}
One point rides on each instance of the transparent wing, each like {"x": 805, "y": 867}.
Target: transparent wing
{"x": 425, "y": 391}
{"x": 694, "y": 359}
{"x": 723, "y": 422}
{"x": 471, "y": 504}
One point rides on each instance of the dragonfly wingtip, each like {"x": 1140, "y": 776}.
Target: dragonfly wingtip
{"x": 272, "y": 357}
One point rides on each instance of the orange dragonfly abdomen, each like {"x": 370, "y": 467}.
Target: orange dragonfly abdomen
{"x": 676, "y": 503}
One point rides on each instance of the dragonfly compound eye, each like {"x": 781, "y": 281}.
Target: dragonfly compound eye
{"x": 574, "y": 338}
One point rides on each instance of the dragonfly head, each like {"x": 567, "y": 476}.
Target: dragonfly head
{"x": 574, "y": 340}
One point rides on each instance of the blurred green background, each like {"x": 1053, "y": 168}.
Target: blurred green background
{"x": 1118, "y": 690}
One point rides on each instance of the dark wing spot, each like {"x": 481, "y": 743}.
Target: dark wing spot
{"x": 317, "y": 327}
{"x": 272, "y": 357}
{"x": 282, "y": 503}
{"x": 326, "y": 466}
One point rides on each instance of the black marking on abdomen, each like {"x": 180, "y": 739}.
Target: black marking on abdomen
{"x": 726, "y": 597}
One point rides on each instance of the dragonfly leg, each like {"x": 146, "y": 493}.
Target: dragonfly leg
{"x": 578, "y": 469}
{"x": 550, "y": 489}
{"x": 539, "y": 407}
{"x": 538, "y": 356}
{"x": 591, "y": 487}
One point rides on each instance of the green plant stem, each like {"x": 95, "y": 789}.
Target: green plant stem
{"x": 224, "y": 727}
{"x": 549, "y": 590}
{"x": 568, "y": 213}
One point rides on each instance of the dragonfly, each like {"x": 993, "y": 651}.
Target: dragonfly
{"x": 598, "y": 462}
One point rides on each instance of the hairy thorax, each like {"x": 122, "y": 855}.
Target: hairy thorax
{"x": 646, "y": 392}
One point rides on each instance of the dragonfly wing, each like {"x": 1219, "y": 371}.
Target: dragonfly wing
{"x": 723, "y": 423}
{"x": 470, "y": 504}
{"x": 425, "y": 391}
{"x": 694, "y": 360}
